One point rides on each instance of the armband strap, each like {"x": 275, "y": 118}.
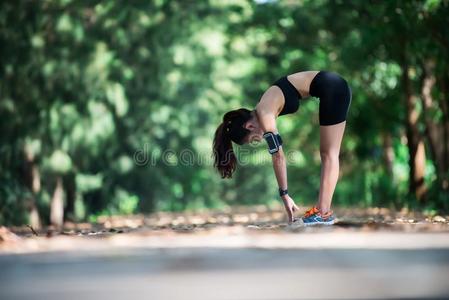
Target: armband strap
{"x": 274, "y": 141}
{"x": 278, "y": 136}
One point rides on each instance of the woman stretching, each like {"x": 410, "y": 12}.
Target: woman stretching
{"x": 283, "y": 97}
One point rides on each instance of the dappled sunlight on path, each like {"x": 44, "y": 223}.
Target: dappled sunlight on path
{"x": 253, "y": 226}
{"x": 245, "y": 253}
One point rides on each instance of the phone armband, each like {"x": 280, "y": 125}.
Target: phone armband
{"x": 274, "y": 141}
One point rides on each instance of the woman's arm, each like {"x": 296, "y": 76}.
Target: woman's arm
{"x": 280, "y": 168}
{"x": 268, "y": 123}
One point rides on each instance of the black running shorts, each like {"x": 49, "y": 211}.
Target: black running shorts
{"x": 335, "y": 97}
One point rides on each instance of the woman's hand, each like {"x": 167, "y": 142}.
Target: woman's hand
{"x": 290, "y": 207}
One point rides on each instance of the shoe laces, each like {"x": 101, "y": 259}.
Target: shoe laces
{"x": 311, "y": 211}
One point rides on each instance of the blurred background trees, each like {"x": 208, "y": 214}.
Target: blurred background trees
{"x": 109, "y": 107}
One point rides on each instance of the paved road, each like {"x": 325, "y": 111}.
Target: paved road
{"x": 226, "y": 273}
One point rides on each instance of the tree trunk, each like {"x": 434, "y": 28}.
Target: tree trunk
{"x": 70, "y": 191}
{"x": 57, "y": 204}
{"x": 33, "y": 183}
{"x": 434, "y": 131}
{"x": 414, "y": 138}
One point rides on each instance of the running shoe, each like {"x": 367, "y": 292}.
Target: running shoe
{"x": 319, "y": 219}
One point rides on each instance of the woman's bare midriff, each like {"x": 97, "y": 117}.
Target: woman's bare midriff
{"x": 273, "y": 99}
{"x": 301, "y": 81}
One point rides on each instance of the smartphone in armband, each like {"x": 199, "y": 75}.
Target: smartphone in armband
{"x": 274, "y": 141}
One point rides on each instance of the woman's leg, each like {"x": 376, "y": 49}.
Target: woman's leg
{"x": 330, "y": 141}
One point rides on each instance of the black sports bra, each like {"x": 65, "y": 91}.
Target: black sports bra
{"x": 291, "y": 96}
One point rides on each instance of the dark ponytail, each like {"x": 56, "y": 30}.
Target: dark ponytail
{"x": 230, "y": 130}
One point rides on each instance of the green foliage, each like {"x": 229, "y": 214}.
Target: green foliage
{"x": 94, "y": 87}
